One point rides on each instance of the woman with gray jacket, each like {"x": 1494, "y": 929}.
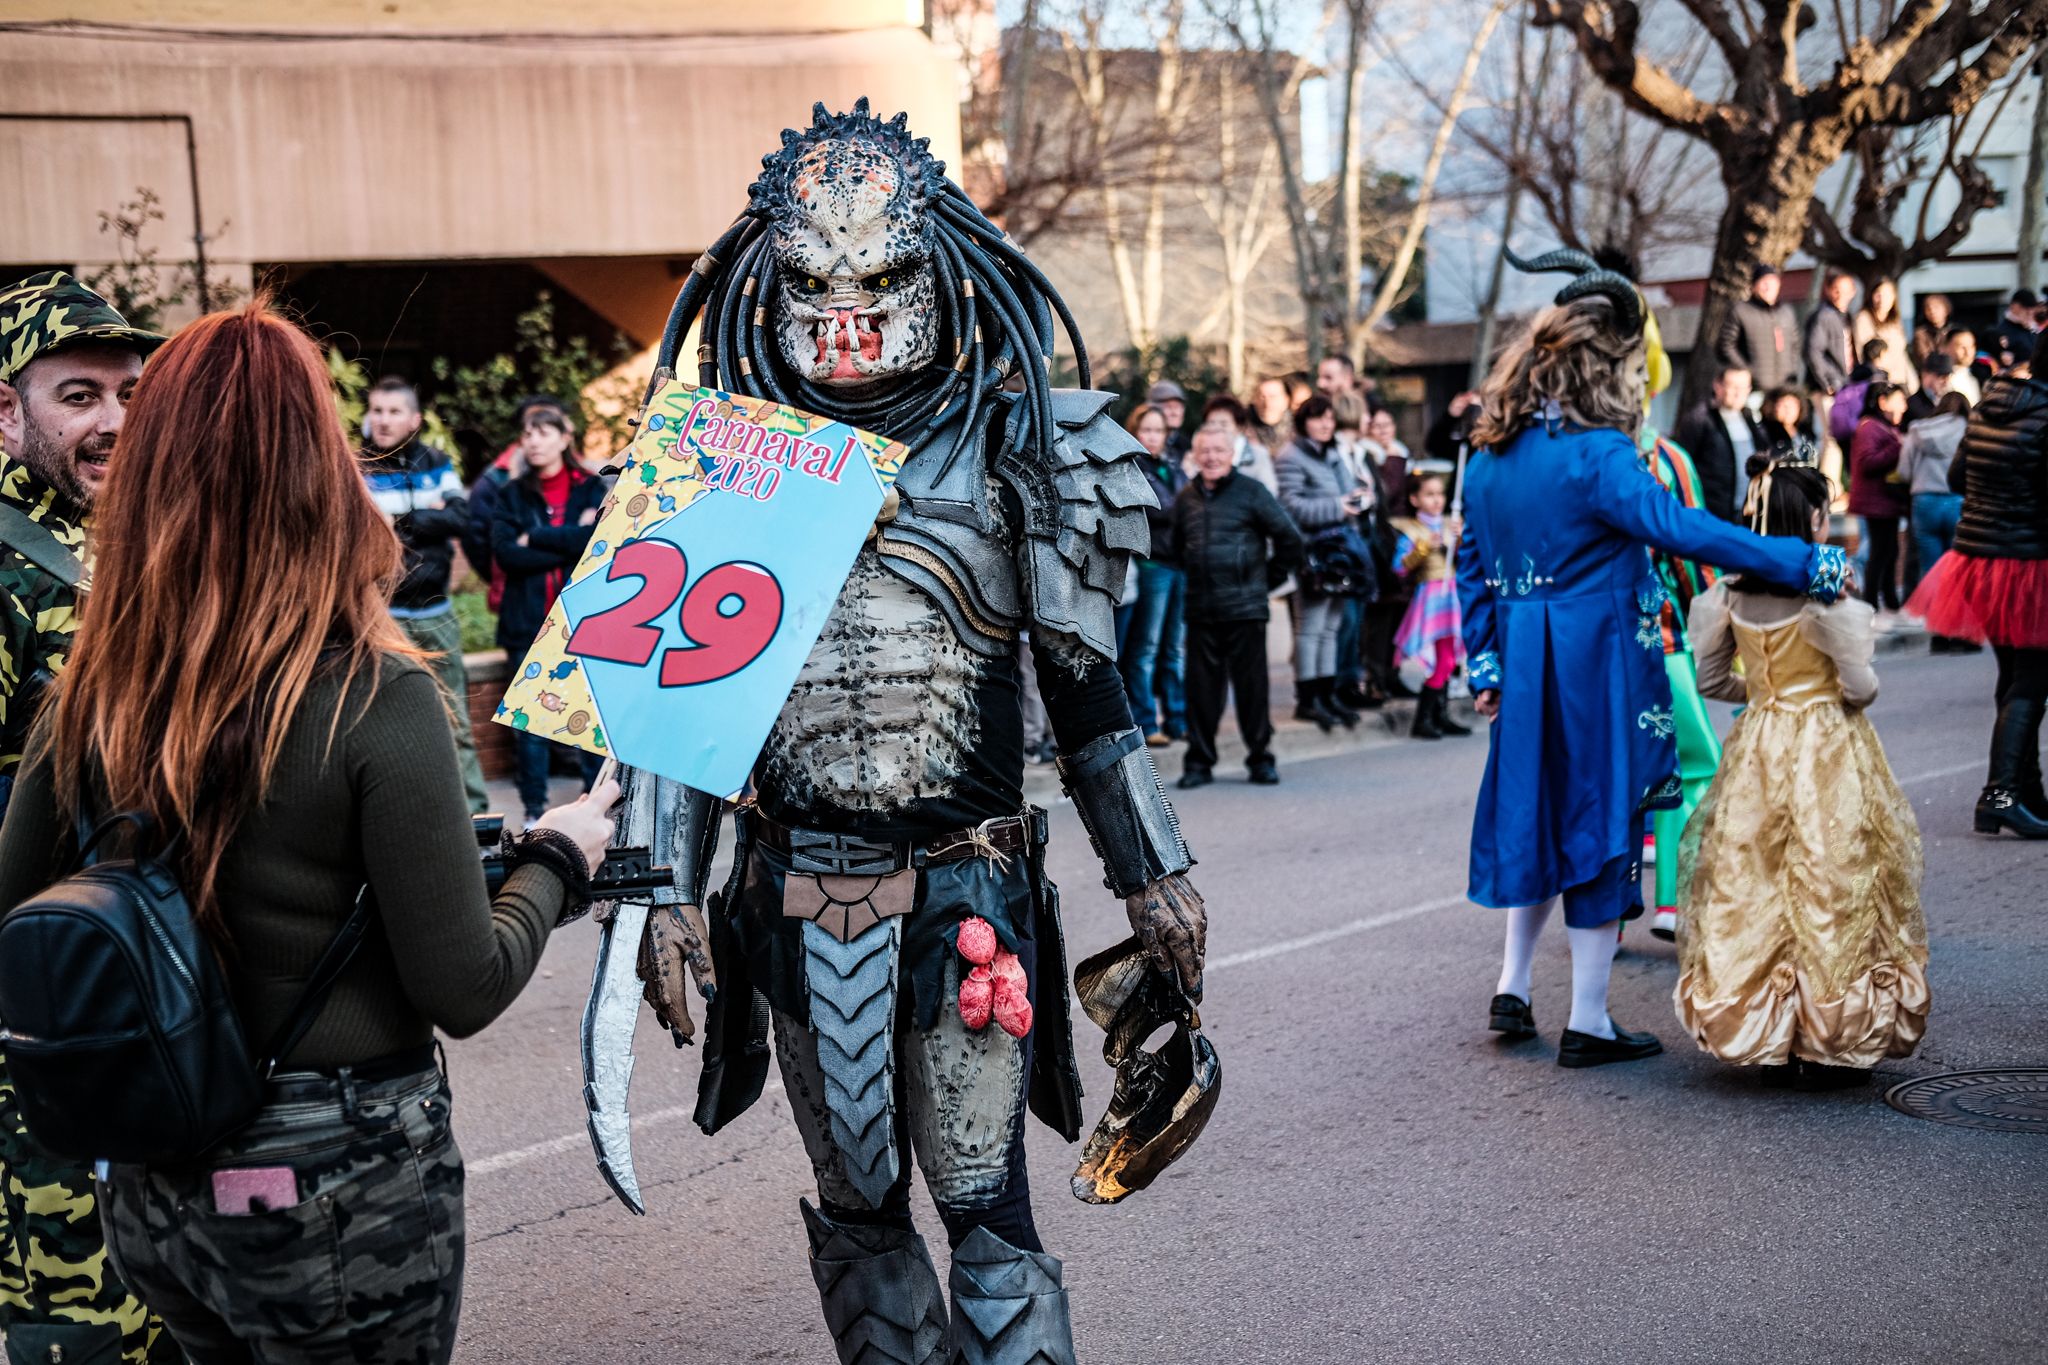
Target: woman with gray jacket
{"x": 1319, "y": 491}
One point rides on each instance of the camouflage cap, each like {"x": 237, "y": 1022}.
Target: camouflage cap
{"x": 50, "y": 311}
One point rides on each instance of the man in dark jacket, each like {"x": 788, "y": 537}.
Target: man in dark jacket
{"x": 1830, "y": 337}
{"x": 1451, "y": 429}
{"x": 2012, "y": 340}
{"x": 1720, "y": 435}
{"x": 1761, "y": 334}
{"x": 1235, "y": 545}
{"x": 420, "y": 494}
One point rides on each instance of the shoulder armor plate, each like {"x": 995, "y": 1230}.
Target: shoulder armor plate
{"x": 1084, "y": 517}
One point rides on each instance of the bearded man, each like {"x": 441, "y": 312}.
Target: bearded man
{"x": 889, "y": 920}
{"x": 68, "y": 362}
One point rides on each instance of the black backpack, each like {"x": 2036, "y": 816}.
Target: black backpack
{"x": 120, "y": 1033}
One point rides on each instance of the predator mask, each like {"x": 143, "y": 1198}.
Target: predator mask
{"x": 1162, "y": 1099}
{"x": 853, "y": 290}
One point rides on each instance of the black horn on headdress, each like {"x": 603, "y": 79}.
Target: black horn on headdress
{"x": 1592, "y": 279}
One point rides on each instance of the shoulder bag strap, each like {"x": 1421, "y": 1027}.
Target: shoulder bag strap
{"x": 34, "y": 542}
{"x": 340, "y": 952}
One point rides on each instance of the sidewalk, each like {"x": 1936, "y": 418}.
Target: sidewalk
{"x": 1294, "y": 741}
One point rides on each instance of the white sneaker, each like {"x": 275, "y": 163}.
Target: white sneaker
{"x": 1649, "y": 850}
{"x": 1664, "y": 923}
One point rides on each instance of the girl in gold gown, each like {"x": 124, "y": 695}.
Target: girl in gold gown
{"x": 1801, "y": 939}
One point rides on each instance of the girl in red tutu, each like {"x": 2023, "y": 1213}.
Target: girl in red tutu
{"x": 1993, "y": 585}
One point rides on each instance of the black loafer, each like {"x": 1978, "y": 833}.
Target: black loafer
{"x": 1819, "y": 1076}
{"x": 1195, "y": 777}
{"x": 1510, "y": 1014}
{"x": 1263, "y": 772}
{"x": 1586, "y": 1049}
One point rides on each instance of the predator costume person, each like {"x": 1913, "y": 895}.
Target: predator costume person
{"x": 888, "y": 920}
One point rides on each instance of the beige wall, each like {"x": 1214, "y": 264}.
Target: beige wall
{"x": 494, "y": 16}
{"x": 420, "y": 148}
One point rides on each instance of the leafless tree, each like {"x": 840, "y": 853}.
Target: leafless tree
{"x": 1892, "y": 166}
{"x": 1598, "y": 173}
{"x": 1239, "y": 205}
{"x": 1331, "y": 251}
{"x": 1786, "y": 112}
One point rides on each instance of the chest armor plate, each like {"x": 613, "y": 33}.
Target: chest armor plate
{"x": 884, "y": 712}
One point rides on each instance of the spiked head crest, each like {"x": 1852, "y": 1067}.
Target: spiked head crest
{"x": 775, "y": 192}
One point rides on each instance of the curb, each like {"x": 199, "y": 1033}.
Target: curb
{"x": 1294, "y": 741}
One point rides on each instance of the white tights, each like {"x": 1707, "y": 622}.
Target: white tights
{"x": 1592, "y": 962}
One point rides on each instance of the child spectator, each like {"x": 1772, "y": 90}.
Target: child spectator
{"x": 1430, "y": 632}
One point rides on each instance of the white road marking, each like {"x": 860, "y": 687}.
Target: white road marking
{"x": 1971, "y": 767}
{"x": 555, "y": 1146}
{"x": 1322, "y": 936}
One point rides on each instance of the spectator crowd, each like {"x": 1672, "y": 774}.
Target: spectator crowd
{"x": 1305, "y": 495}
{"x": 1884, "y": 407}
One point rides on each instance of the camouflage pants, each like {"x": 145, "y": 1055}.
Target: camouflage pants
{"x": 53, "y": 1263}
{"x": 366, "y": 1269}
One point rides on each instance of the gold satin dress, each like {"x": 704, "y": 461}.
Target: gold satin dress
{"x": 1800, "y": 932}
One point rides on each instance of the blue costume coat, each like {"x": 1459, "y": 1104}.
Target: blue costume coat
{"x": 1561, "y": 615}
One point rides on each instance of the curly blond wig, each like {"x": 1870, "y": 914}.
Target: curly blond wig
{"x": 1575, "y": 355}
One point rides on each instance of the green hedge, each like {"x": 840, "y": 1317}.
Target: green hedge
{"x": 479, "y": 627}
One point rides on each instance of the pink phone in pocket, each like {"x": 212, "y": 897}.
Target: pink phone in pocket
{"x": 255, "y": 1189}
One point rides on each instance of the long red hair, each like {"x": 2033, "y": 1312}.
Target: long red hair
{"x": 237, "y": 557}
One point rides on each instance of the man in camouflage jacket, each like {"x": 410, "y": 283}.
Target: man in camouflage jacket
{"x": 68, "y": 362}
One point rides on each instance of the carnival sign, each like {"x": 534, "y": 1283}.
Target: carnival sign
{"x": 708, "y": 577}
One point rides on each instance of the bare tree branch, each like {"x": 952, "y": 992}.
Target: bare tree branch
{"x": 1606, "y": 34}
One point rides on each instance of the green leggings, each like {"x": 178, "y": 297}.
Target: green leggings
{"x": 1699, "y": 754}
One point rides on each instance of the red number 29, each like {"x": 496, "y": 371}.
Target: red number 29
{"x": 731, "y": 612}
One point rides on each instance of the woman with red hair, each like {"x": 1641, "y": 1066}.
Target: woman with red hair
{"x": 238, "y": 681}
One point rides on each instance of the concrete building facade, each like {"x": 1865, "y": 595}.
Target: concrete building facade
{"x": 408, "y": 173}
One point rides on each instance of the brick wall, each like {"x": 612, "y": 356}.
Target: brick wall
{"x": 489, "y": 675}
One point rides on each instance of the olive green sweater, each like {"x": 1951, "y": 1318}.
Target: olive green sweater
{"x": 384, "y": 805}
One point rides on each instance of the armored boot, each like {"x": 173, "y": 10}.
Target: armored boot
{"x": 1008, "y": 1306}
{"x": 2015, "y": 739}
{"x": 880, "y": 1293}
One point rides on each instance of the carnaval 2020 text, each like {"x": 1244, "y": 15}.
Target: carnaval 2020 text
{"x": 756, "y": 456}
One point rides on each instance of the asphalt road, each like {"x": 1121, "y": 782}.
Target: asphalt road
{"x": 1383, "y": 1180}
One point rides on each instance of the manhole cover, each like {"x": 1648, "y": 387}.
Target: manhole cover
{"x": 2013, "y": 1100}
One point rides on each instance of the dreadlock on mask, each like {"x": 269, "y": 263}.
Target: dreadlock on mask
{"x": 993, "y": 310}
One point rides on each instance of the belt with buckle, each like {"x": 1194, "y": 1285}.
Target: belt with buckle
{"x": 820, "y": 853}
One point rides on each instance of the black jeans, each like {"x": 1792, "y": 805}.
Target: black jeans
{"x": 1233, "y": 654}
{"x": 1881, "y": 585}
